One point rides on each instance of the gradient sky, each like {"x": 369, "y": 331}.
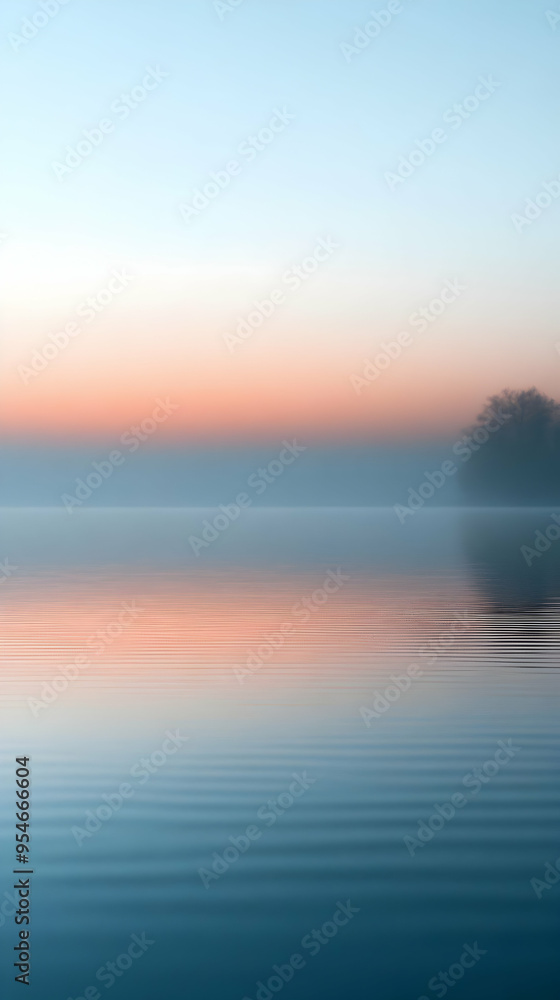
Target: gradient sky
{"x": 323, "y": 176}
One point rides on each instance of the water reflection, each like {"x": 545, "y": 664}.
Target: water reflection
{"x": 172, "y": 667}
{"x": 493, "y": 541}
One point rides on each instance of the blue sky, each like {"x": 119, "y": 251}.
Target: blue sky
{"x": 325, "y": 173}
{"x": 353, "y": 121}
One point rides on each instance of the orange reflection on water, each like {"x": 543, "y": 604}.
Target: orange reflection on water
{"x": 220, "y": 617}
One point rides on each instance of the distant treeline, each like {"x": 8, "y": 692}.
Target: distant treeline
{"x": 520, "y": 464}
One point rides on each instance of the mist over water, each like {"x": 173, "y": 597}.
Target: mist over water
{"x": 270, "y": 674}
{"x": 322, "y": 475}
{"x": 279, "y": 522}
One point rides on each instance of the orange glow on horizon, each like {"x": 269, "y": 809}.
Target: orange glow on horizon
{"x": 236, "y": 404}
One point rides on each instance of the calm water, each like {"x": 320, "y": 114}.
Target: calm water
{"x": 326, "y": 606}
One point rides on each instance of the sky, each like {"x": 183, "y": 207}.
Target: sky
{"x": 309, "y": 241}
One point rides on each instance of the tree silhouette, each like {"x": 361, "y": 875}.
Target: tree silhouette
{"x": 519, "y": 464}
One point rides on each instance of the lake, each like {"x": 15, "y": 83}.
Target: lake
{"x": 316, "y": 758}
